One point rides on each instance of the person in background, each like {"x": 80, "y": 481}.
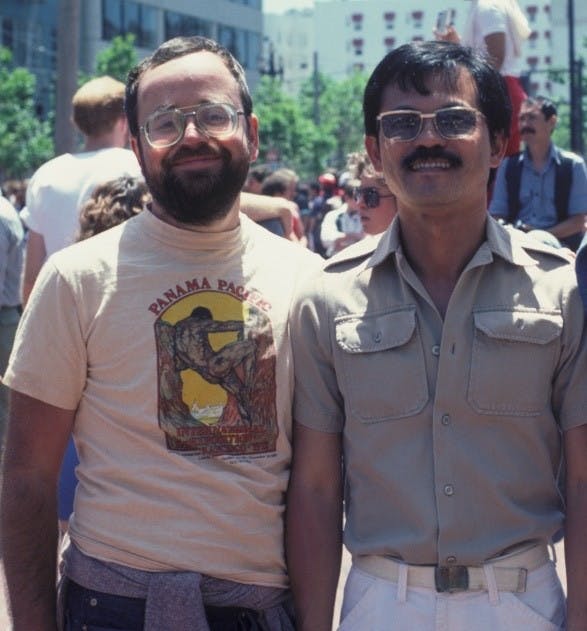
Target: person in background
{"x": 543, "y": 187}
{"x": 499, "y": 29}
{"x": 440, "y": 385}
{"x": 376, "y": 203}
{"x": 59, "y": 187}
{"x": 163, "y": 345}
{"x": 255, "y": 179}
{"x": 283, "y": 183}
{"x": 341, "y": 226}
{"x": 12, "y": 243}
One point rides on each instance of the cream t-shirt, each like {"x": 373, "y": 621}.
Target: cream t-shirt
{"x": 173, "y": 347}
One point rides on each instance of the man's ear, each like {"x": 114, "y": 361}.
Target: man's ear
{"x": 373, "y": 151}
{"x": 253, "y": 136}
{"x": 135, "y": 146}
{"x": 498, "y": 148}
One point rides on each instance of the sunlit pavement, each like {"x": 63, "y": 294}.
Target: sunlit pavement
{"x": 346, "y": 563}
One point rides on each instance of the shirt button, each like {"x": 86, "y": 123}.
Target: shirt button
{"x": 449, "y": 489}
{"x": 436, "y": 350}
{"x": 377, "y": 337}
{"x": 451, "y": 560}
{"x": 445, "y": 420}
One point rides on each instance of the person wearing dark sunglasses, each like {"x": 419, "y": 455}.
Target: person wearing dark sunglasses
{"x": 440, "y": 374}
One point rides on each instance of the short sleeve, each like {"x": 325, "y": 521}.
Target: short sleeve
{"x": 578, "y": 196}
{"x": 49, "y": 360}
{"x": 318, "y": 403}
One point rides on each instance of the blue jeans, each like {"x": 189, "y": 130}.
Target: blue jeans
{"x": 89, "y": 610}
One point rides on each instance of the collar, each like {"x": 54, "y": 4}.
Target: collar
{"x": 501, "y": 242}
{"x": 553, "y": 155}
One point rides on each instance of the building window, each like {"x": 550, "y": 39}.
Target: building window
{"x": 532, "y": 39}
{"x": 7, "y": 33}
{"x": 236, "y": 41}
{"x": 120, "y": 17}
{"x": 389, "y": 43}
{"x": 417, "y": 17}
{"x": 532, "y": 62}
{"x": 177, "y": 24}
{"x": 389, "y": 19}
{"x": 417, "y": 38}
{"x": 532, "y": 10}
{"x": 357, "y": 21}
{"x": 111, "y": 18}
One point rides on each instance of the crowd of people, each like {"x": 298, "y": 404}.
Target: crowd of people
{"x": 223, "y": 374}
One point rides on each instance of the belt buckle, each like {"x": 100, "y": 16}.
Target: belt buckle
{"x": 451, "y": 578}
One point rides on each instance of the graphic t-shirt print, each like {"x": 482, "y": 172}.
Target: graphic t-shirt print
{"x": 216, "y": 370}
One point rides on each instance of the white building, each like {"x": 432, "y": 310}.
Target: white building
{"x": 350, "y": 35}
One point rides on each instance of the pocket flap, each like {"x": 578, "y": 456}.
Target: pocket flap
{"x": 520, "y": 326}
{"x": 371, "y": 333}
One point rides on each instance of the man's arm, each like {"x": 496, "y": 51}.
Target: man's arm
{"x": 314, "y": 526}
{"x": 495, "y": 43}
{"x": 34, "y": 259}
{"x": 576, "y": 521}
{"x": 261, "y": 207}
{"x": 568, "y": 227}
{"x": 36, "y": 440}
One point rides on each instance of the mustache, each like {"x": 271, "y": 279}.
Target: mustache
{"x": 431, "y": 153}
{"x": 186, "y": 152}
{"x": 527, "y": 130}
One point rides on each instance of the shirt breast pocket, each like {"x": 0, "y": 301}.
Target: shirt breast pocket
{"x": 512, "y": 363}
{"x": 382, "y": 365}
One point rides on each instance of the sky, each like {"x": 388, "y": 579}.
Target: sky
{"x": 280, "y": 6}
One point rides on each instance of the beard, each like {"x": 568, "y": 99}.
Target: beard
{"x": 198, "y": 198}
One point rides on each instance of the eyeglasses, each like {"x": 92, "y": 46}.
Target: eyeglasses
{"x": 449, "y": 122}
{"x": 371, "y": 196}
{"x": 217, "y": 120}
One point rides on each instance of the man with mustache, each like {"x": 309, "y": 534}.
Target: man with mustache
{"x": 127, "y": 342}
{"x": 542, "y": 187}
{"x": 440, "y": 377}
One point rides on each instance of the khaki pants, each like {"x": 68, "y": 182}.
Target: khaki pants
{"x": 372, "y": 603}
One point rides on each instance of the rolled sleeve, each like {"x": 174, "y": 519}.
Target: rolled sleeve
{"x": 318, "y": 403}
{"x": 569, "y": 394}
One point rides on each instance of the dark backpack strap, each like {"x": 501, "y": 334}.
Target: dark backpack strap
{"x": 513, "y": 177}
{"x": 562, "y": 186}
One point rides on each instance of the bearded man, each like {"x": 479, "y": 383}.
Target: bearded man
{"x": 178, "y": 515}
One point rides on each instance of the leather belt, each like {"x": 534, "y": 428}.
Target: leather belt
{"x": 510, "y": 571}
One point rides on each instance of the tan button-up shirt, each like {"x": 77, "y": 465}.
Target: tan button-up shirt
{"x": 451, "y": 429}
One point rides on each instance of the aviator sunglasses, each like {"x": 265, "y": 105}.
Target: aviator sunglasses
{"x": 449, "y": 122}
{"x": 166, "y": 128}
{"x": 371, "y": 196}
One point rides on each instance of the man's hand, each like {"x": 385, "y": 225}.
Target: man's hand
{"x": 261, "y": 207}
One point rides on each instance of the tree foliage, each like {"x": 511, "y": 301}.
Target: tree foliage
{"x": 115, "y": 60}
{"x": 118, "y": 58}
{"x": 25, "y": 141}
{"x": 315, "y": 131}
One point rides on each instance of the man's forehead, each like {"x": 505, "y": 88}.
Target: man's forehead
{"x": 198, "y": 67}
{"x": 460, "y": 88}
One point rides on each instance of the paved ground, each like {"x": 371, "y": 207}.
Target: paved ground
{"x": 5, "y": 618}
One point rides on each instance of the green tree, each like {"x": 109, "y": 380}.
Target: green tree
{"x": 340, "y": 114}
{"x": 25, "y": 141}
{"x": 115, "y": 60}
{"x": 314, "y": 131}
{"x": 286, "y": 135}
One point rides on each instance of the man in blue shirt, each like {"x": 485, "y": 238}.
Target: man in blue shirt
{"x": 531, "y": 201}
{"x": 581, "y": 267}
